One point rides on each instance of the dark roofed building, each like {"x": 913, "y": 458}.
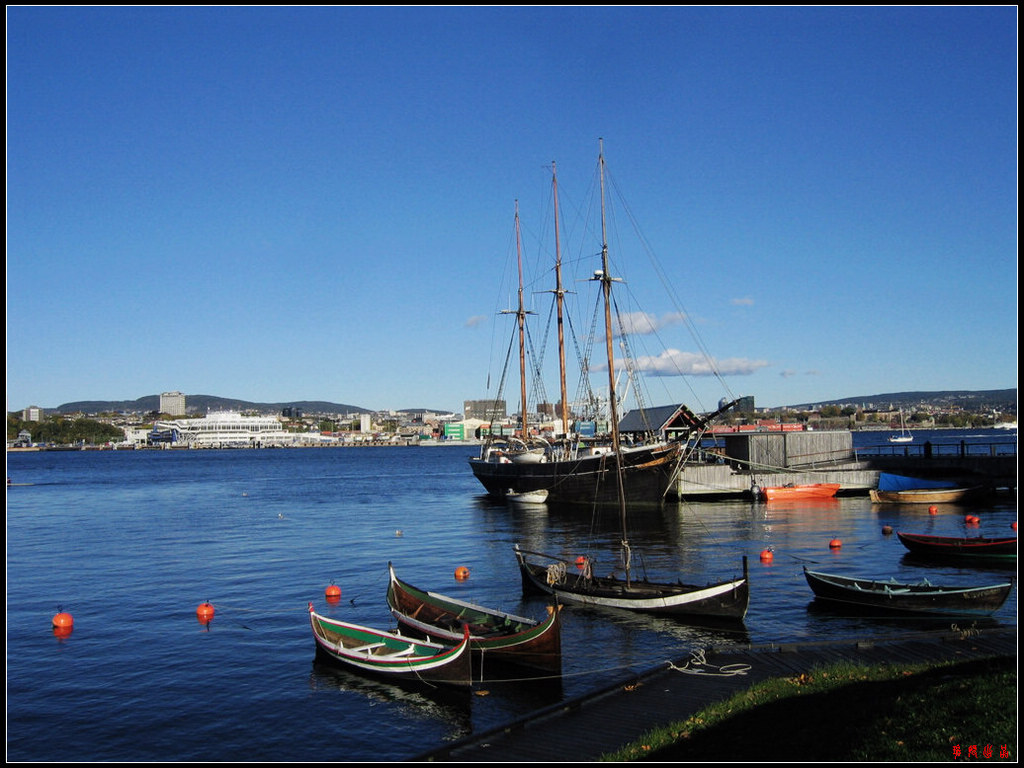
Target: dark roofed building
{"x": 672, "y": 421}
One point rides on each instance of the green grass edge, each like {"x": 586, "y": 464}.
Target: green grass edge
{"x": 956, "y": 710}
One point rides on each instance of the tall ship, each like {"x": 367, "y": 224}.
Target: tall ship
{"x": 570, "y": 467}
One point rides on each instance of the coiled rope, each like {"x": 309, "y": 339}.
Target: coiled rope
{"x": 701, "y": 667}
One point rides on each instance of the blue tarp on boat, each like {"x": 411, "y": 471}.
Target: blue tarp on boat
{"x": 887, "y": 482}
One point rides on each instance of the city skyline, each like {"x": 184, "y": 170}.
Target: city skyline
{"x": 318, "y": 201}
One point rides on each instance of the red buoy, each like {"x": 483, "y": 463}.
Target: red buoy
{"x": 835, "y": 544}
{"x": 462, "y": 573}
{"x": 933, "y": 510}
{"x": 767, "y": 555}
{"x": 204, "y": 612}
{"x": 332, "y": 591}
{"x": 972, "y": 519}
{"x": 581, "y": 561}
{"x": 1014, "y": 525}
{"x": 887, "y": 529}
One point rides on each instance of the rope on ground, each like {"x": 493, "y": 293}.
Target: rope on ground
{"x": 701, "y": 667}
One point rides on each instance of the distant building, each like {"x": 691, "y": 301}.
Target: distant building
{"x": 32, "y": 413}
{"x": 744, "y": 404}
{"x": 172, "y": 403}
{"x": 484, "y": 410}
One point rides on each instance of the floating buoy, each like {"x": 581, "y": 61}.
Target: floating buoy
{"x": 835, "y": 544}
{"x": 933, "y": 510}
{"x": 581, "y": 561}
{"x": 398, "y": 532}
{"x": 63, "y": 623}
{"x": 887, "y": 529}
{"x": 972, "y": 519}
{"x": 767, "y": 555}
{"x": 1014, "y": 525}
{"x": 462, "y": 573}
{"x": 204, "y": 612}
{"x": 333, "y": 592}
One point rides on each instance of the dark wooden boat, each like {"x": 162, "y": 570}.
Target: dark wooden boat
{"x": 583, "y": 477}
{"x": 390, "y": 655}
{"x": 960, "y": 547}
{"x": 922, "y": 597}
{"x": 550, "y": 575}
{"x": 493, "y": 635}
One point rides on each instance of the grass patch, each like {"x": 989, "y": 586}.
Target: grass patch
{"x": 846, "y": 712}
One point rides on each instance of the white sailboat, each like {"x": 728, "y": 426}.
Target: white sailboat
{"x": 905, "y": 435}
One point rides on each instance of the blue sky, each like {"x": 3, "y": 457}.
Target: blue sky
{"x": 317, "y": 203}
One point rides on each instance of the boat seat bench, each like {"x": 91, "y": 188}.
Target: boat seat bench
{"x": 369, "y": 648}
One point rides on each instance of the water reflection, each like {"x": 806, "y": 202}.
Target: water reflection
{"x": 444, "y": 703}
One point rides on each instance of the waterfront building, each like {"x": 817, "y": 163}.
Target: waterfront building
{"x": 32, "y": 413}
{"x": 229, "y": 429}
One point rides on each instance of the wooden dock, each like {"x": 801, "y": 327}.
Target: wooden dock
{"x": 602, "y": 721}
{"x": 754, "y": 459}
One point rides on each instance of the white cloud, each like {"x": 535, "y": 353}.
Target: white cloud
{"x": 672, "y": 362}
{"x": 644, "y": 323}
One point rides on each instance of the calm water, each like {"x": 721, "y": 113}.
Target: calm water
{"x": 130, "y": 543}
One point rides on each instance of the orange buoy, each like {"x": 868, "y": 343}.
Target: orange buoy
{"x": 581, "y": 561}
{"x": 333, "y": 591}
{"x": 204, "y": 612}
{"x": 767, "y": 555}
{"x": 933, "y": 510}
{"x": 63, "y": 622}
{"x": 887, "y": 529}
{"x": 1013, "y": 525}
{"x": 462, "y": 573}
{"x": 835, "y": 544}
{"x": 972, "y": 519}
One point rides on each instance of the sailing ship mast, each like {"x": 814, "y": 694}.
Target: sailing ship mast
{"x": 521, "y": 318}
{"x": 606, "y": 280}
{"x": 559, "y": 299}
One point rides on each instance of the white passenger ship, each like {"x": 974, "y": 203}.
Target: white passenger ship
{"x": 228, "y": 429}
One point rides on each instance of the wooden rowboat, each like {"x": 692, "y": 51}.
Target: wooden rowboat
{"x": 960, "y": 547}
{"x": 812, "y": 491}
{"x": 924, "y": 495}
{"x": 390, "y": 655}
{"x": 922, "y": 597}
{"x": 550, "y": 575}
{"x": 493, "y": 635}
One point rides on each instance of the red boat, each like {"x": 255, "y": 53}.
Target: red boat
{"x": 813, "y": 491}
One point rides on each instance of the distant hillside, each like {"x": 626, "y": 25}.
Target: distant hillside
{"x": 1004, "y": 400}
{"x": 977, "y": 400}
{"x": 204, "y": 404}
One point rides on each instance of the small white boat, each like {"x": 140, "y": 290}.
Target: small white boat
{"x": 527, "y": 497}
{"x": 904, "y": 436}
